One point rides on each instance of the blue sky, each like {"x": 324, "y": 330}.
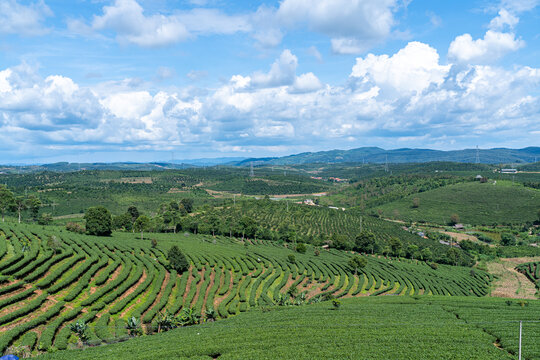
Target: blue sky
{"x": 142, "y": 80}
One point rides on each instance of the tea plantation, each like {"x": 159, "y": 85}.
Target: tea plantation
{"x": 363, "y": 328}
{"x": 51, "y": 278}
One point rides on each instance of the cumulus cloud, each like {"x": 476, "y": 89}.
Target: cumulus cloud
{"x": 412, "y": 69}
{"x": 353, "y": 26}
{"x": 493, "y": 46}
{"x": 128, "y": 20}
{"x": 503, "y": 19}
{"x": 22, "y": 19}
{"x": 388, "y": 100}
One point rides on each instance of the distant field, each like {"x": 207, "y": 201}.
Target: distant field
{"x": 475, "y": 203}
{"x": 365, "y": 328}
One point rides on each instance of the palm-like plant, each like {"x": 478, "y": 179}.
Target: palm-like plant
{"x": 188, "y": 317}
{"x": 79, "y": 328}
{"x": 210, "y": 315}
{"x": 133, "y": 326}
{"x": 166, "y": 322}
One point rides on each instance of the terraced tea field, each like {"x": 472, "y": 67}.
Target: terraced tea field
{"x": 385, "y": 327}
{"x": 49, "y": 278}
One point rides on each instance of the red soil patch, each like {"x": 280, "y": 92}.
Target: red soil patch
{"x": 160, "y": 293}
{"x": 113, "y": 276}
{"x": 289, "y": 283}
{"x": 130, "y": 291}
{"x": 44, "y": 307}
{"x": 212, "y": 280}
{"x": 199, "y": 285}
{"x": 218, "y": 300}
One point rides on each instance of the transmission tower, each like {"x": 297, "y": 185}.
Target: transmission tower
{"x": 251, "y": 173}
{"x": 477, "y": 155}
{"x": 386, "y": 164}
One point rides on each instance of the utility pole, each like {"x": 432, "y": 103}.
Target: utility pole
{"x": 520, "y": 326}
{"x": 251, "y": 173}
{"x": 477, "y": 155}
{"x": 386, "y": 164}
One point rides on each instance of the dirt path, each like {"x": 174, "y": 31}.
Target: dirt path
{"x": 218, "y": 300}
{"x": 510, "y": 282}
{"x": 127, "y": 293}
{"x": 160, "y": 294}
{"x": 198, "y": 285}
{"x": 210, "y": 285}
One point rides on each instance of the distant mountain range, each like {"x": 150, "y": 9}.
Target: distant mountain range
{"x": 375, "y": 155}
{"x": 367, "y": 155}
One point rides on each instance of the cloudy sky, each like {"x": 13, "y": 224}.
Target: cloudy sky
{"x": 146, "y": 80}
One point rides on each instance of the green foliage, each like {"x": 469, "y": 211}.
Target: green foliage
{"x": 80, "y": 329}
{"x": 301, "y": 248}
{"x": 177, "y": 260}
{"x": 357, "y": 262}
{"x": 98, "y": 221}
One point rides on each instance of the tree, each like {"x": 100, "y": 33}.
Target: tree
{"x": 19, "y": 205}
{"x": 395, "y": 246}
{"x": 301, "y": 248}
{"x": 426, "y": 254}
{"x": 133, "y": 212}
{"x": 291, "y": 258}
{"x": 142, "y": 224}
{"x": 177, "y": 260}
{"x": 508, "y": 239}
{"x": 98, "y": 221}
{"x": 7, "y": 200}
{"x": 412, "y": 251}
{"x": 366, "y": 242}
{"x": 453, "y": 255}
{"x": 123, "y": 222}
{"x": 416, "y": 203}
{"x": 454, "y": 219}
{"x": 188, "y": 204}
{"x": 33, "y": 204}
{"x": 357, "y": 262}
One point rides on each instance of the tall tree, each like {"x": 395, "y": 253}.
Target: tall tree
{"x": 33, "y": 204}
{"x": 19, "y": 205}
{"x": 357, "y": 262}
{"x": 134, "y": 213}
{"x": 142, "y": 224}
{"x": 177, "y": 260}
{"x": 98, "y": 221}
{"x": 7, "y": 200}
{"x": 188, "y": 204}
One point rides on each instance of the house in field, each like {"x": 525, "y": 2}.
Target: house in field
{"x": 478, "y": 177}
{"x": 508, "y": 171}
{"x": 459, "y": 227}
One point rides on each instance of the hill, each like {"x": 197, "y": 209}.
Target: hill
{"x": 475, "y": 203}
{"x": 50, "y": 278}
{"x": 366, "y": 328}
{"x": 381, "y": 156}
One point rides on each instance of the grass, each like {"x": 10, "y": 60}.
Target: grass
{"x": 475, "y": 203}
{"x": 366, "y": 328}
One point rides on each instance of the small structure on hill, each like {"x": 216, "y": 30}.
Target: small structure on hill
{"x": 508, "y": 171}
{"x": 459, "y": 227}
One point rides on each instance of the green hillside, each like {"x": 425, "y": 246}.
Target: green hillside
{"x": 50, "y": 278}
{"x": 474, "y": 202}
{"x": 366, "y": 328}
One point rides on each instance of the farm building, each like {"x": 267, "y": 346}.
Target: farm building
{"x": 508, "y": 171}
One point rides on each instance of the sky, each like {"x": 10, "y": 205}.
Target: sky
{"x": 142, "y": 80}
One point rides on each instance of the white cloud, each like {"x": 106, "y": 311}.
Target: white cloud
{"x": 21, "y": 19}
{"x": 306, "y": 83}
{"x": 353, "y": 25}
{"x": 313, "y": 51}
{"x": 503, "y": 19}
{"x": 407, "y": 96}
{"x": 412, "y": 69}
{"x": 493, "y": 46}
{"x": 131, "y": 25}
{"x": 282, "y": 72}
